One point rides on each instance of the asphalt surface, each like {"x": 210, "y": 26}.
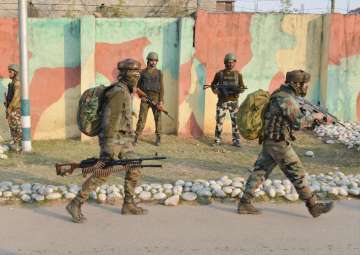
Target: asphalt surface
{"x": 185, "y": 229}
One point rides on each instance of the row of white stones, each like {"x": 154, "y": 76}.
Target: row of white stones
{"x": 337, "y": 184}
{"x": 348, "y": 135}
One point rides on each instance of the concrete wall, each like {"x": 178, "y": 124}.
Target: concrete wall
{"x": 67, "y": 56}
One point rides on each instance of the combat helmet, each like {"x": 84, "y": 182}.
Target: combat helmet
{"x": 152, "y": 56}
{"x": 229, "y": 57}
{"x": 129, "y": 64}
{"x": 14, "y": 67}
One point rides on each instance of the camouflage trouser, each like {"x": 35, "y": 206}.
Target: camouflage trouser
{"x": 123, "y": 146}
{"x": 14, "y": 120}
{"x": 144, "y": 108}
{"x": 282, "y": 154}
{"x": 232, "y": 107}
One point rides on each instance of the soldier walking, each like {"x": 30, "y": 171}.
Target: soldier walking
{"x": 281, "y": 118}
{"x": 115, "y": 140}
{"x": 151, "y": 82}
{"x": 227, "y": 84}
{"x": 13, "y": 107}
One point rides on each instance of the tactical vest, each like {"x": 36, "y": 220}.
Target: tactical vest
{"x": 276, "y": 126}
{"x": 228, "y": 78}
{"x": 150, "y": 81}
{"x": 10, "y": 93}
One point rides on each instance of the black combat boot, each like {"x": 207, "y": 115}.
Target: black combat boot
{"x": 317, "y": 208}
{"x": 236, "y": 144}
{"x": 245, "y": 207}
{"x": 129, "y": 207}
{"x": 74, "y": 209}
{"x": 157, "y": 140}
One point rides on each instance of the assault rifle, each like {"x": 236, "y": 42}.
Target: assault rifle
{"x": 307, "y": 106}
{"x": 104, "y": 167}
{"x": 152, "y": 103}
{"x": 226, "y": 90}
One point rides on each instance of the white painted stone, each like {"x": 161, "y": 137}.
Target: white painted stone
{"x": 354, "y": 191}
{"x": 197, "y": 187}
{"x": 292, "y": 197}
{"x": 38, "y": 197}
{"x": 3, "y": 156}
{"x": 26, "y": 186}
{"x": 187, "y": 189}
{"x": 236, "y": 192}
{"x": 271, "y": 192}
{"x": 189, "y": 196}
{"x": 178, "y": 190}
{"x": 114, "y": 196}
{"x": 168, "y": 191}
{"x": 168, "y": 186}
{"x": 155, "y": 185}
{"x": 188, "y": 184}
{"x": 204, "y": 193}
{"x": 26, "y": 198}
{"x": 179, "y": 183}
{"x": 48, "y": 190}
{"x": 102, "y": 197}
{"x": 215, "y": 186}
{"x": 159, "y": 196}
{"x": 239, "y": 179}
{"x": 146, "y": 187}
{"x": 172, "y": 201}
{"x": 330, "y": 141}
{"x": 69, "y": 195}
{"x": 227, "y": 182}
{"x": 101, "y": 191}
{"x": 237, "y": 184}
{"x": 7, "y": 194}
{"x": 343, "y": 191}
{"x": 334, "y": 191}
{"x": 145, "y": 195}
{"x": 53, "y": 196}
{"x": 154, "y": 191}
{"x": 219, "y": 193}
{"x": 228, "y": 189}
{"x": 138, "y": 190}
{"x": 310, "y": 154}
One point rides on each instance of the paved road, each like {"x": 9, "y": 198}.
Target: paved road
{"x": 186, "y": 229}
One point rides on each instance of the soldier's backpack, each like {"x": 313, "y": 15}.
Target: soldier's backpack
{"x": 249, "y": 116}
{"x": 89, "y": 110}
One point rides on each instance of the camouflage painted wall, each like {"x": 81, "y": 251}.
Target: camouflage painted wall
{"x": 68, "y": 56}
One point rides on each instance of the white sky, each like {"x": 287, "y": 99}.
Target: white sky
{"x": 312, "y": 6}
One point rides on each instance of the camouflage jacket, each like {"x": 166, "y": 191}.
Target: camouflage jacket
{"x": 283, "y": 115}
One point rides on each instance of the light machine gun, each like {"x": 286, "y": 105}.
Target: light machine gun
{"x": 104, "y": 167}
{"x": 226, "y": 90}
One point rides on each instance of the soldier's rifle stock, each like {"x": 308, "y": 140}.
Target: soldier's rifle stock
{"x": 104, "y": 167}
{"x": 152, "y": 103}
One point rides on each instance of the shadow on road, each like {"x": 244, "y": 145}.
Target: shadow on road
{"x": 48, "y": 213}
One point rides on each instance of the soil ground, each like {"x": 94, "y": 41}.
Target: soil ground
{"x": 188, "y": 159}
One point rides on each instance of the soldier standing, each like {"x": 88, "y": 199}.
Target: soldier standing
{"x": 115, "y": 140}
{"x": 13, "y": 107}
{"x": 281, "y": 117}
{"x": 151, "y": 82}
{"x": 227, "y": 84}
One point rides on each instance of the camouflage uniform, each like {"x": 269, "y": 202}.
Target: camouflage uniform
{"x": 151, "y": 82}
{"x": 227, "y": 102}
{"x": 115, "y": 140}
{"x": 282, "y": 116}
{"x": 13, "y": 109}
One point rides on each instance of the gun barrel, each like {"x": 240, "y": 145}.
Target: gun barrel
{"x": 142, "y": 166}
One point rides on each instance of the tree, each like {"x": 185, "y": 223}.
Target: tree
{"x": 286, "y": 5}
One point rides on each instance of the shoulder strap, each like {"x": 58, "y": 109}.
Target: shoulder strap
{"x": 221, "y": 73}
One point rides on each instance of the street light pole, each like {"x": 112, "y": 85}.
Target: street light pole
{"x": 24, "y": 77}
{"x": 332, "y": 6}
